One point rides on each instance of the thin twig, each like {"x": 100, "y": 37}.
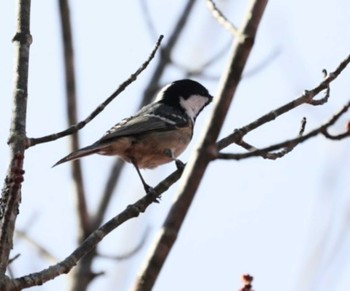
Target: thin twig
{"x": 292, "y": 142}
{"x": 74, "y": 128}
{"x": 274, "y": 155}
{"x": 306, "y": 98}
{"x": 221, "y": 18}
{"x": 9, "y": 267}
{"x": 327, "y": 92}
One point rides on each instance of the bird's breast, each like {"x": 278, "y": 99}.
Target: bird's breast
{"x": 152, "y": 149}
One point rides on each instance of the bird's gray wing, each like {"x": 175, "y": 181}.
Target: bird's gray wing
{"x": 154, "y": 117}
{"x": 135, "y": 126}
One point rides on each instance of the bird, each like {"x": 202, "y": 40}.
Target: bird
{"x": 157, "y": 134}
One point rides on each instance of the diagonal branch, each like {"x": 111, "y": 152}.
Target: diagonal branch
{"x": 74, "y": 128}
{"x": 200, "y": 159}
{"x": 92, "y": 240}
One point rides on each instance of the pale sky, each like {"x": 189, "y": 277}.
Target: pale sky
{"x": 285, "y": 222}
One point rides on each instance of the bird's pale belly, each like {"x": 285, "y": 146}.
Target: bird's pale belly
{"x": 151, "y": 149}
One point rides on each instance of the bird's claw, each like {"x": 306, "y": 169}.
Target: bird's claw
{"x": 151, "y": 191}
{"x": 179, "y": 165}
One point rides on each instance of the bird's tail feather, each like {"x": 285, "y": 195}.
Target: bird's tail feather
{"x": 78, "y": 154}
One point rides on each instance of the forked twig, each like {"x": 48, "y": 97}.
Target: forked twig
{"x": 221, "y": 18}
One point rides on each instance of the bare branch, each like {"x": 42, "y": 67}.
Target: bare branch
{"x": 335, "y": 137}
{"x": 268, "y": 156}
{"x": 74, "y": 128}
{"x": 324, "y": 99}
{"x": 92, "y": 240}
{"x": 9, "y": 267}
{"x": 200, "y": 159}
{"x": 306, "y": 98}
{"x": 291, "y": 142}
{"x": 221, "y": 19}
{"x": 275, "y": 155}
{"x": 14, "y": 258}
{"x": 11, "y": 191}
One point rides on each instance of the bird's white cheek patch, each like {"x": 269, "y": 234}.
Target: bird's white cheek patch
{"x": 193, "y": 105}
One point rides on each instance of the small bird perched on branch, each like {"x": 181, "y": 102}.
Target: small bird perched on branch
{"x": 158, "y": 133}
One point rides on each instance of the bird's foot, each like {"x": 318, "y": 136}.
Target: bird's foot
{"x": 179, "y": 165}
{"x": 151, "y": 191}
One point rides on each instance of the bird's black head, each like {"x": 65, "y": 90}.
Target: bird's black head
{"x": 183, "y": 88}
{"x": 187, "y": 95}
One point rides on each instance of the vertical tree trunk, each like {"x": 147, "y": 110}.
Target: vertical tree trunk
{"x": 11, "y": 192}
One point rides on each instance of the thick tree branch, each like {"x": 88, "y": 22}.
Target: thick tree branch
{"x": 11, "y": 192}
{"x": 198, "y": 163}
{"x": 74, "y": 128}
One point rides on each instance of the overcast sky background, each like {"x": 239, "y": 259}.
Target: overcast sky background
{"x": 285, "y": 222}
